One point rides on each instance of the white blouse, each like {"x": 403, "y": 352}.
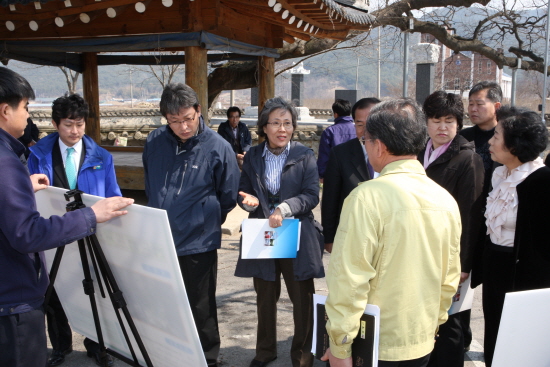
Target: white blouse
{"x": 502, "y": 203}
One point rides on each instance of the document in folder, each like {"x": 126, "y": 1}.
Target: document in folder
{"x": 260, "y": 241}
{"x": 364, "y": 348}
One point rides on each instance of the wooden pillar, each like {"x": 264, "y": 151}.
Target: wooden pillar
{"x": 266, "y": 71}
{"x": 91, "y": 95}
{"x": 196, "y": 75}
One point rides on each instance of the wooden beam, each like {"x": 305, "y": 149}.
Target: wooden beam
{"x": 131, "y": 22}
{"x": 266, "y": 71}
{"x": 102, "y": 5}
{"x": 90, "y": 84}
{"x": 297, "y": 35}
{"x": 196, "y": 75}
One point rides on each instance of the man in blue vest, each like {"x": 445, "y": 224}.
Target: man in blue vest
{"x": 72, "y": 160}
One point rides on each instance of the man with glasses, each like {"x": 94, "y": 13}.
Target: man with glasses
{"x": 191, "y": 172}
{"x": 347, "y": 166}
{"x": 397, "y": 246}
{"x": 72, "y": 160}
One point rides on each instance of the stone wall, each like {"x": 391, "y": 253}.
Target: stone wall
{"x": 135, "y": 124}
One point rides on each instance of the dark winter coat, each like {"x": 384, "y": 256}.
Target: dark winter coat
{"x": 343, "y": 130}
{"x": 346, "y": 168}
{"x": 300, "y": 190}
{"x": 460, "y": 171}
{"x": 532, "y": 238}
{"x": 196, "y": 185}
{"x": 242, "y": 143}
{"x": 24, "y": 234}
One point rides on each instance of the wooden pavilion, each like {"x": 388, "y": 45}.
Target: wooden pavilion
{"x": 74, "y": 33}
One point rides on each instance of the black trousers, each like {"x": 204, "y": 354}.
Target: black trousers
{"x": 465, "y": 317}
{"x": 497, "y": 281}
{"x": 449, "y": 348}
{"x": 23, "y": 340}
{"x": 301, "y": 296}
{"x": 200, "y": 272}
{"x": 59, "y": 330}
{"x": 419, "y": 362}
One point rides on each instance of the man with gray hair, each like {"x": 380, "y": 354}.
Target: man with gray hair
{"x": 191, "y": 172}
{"x": 397, "y": 246}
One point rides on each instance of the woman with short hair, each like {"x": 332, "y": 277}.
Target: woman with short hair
{"x": 451, "y": 161}
{"x": 517, "y": 252}
{"x": 280, "y": 180}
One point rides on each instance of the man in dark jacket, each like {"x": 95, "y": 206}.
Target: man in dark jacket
{"x": 24, "y": 234}
{"x": 94, "y": 174}
{"x": 342, "y": 131}
{"x": 346, "y": 168}
{"x": 236, "y": 133}
{"x": 483, "y": 102}
{"x": 191, "y": 172}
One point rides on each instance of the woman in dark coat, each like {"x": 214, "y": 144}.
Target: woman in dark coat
{"x": 279, "y": 179}
{"x": 451, "y": 161}
{"x": 517, "y": 252}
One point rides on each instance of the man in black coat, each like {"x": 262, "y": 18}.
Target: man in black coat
{"x": 483, "y": 101}
{"x": 236, "y": 133}
{"x": 346, "y": 168}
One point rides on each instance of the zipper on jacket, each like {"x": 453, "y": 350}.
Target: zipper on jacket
{"x": 183, "y": 177}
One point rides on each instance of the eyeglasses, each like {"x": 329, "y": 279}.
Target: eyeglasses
{"x": 277, "y": 125}
{"x": 363, "y": 140}
{"x": 186, "y": 121}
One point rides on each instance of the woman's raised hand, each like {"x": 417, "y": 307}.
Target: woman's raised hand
{"x": 249, "y": 199}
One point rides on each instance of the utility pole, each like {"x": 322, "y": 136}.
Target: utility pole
{"x": 379, "y": 80}
{"x": 405, "y": 64}
{"x": 545, "y": 73}
{"x": 131, "y": 90}
{"x": 514, "y": 81}
{"x": 406, "y": 59}
{"x": 357, "y": 74}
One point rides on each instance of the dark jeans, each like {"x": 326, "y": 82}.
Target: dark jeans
{"x": 301, "y": 295}
{"x": 23, "y": 340}
{"x": 199, "y": 272}
{"x": 449, "y": 347}
{"x": 419, "y": 362}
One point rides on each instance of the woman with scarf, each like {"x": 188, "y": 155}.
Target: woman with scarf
{"x": 451, "y": 161}
{"x": 517, "y": 252}
{"x": 280, "y": 180}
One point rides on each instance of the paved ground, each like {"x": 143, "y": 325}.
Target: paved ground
{"x": 237, "y": 314}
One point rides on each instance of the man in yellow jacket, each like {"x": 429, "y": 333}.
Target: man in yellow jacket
{"x": 397, "y": 246}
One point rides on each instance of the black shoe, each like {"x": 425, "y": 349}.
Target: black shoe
{"x": 98, "y": 360}
{"x": 58, "y": 357}
{"x": 256, "y": 363}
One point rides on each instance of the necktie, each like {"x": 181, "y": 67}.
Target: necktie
{"x": 70, "y": 168}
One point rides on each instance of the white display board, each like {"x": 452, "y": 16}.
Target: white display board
{"x": 524, "y": 331}
{"x": 141, "y": 253}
